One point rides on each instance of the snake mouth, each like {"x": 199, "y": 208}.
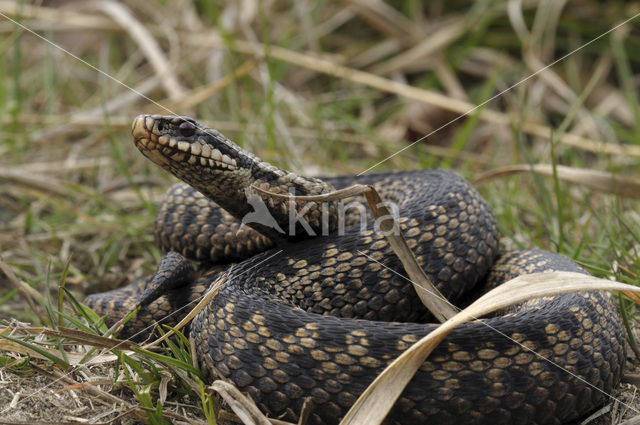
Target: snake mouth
{"x": 171, "y": 140}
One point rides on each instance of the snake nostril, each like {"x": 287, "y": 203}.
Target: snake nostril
{"x": 160, "y": 126}
{"x": 187, "y": 129}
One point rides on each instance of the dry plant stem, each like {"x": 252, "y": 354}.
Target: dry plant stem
{"x": 632, "y": 295}
{"x": 548, "y": 15}
{"x": 424, "y": 49}
{"x": 122, "y": 101}
{"x": 598, "y": 413}
{"x": 201, "y": 94}
{"x": 73, "y": 122}
{"x": 147, "y": 43}
{"x": 365, "y": 78}
{"x": 430, "y": 296}
{"x": 633, "y": 421}
{"x": 27, "y": 292}
{"x": 56, "y": 16}
{"x": 88, "y": 339}
{"x": 57, "y": 126}
{"x": 386, "y": 19}
{"x": 13, "y": 347}
{"x": 601, "y": 181}
{"x": 58, "y": 166}
{"x": 79, "y": 337}
{"x": 374, "y": 404}
{"x": 409, "y": 92}
{"x": 305, "y": 411}
{"x": 103, "y": 396}
{"x": 124, "y": 122}
{"x": 241, "y": 405}
{"x": 44, "y": 184}
{"x": 201, "y": 304}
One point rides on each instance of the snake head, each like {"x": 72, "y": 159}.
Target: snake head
{"x": 222, "y": 171}
{"x": 180, "y": 145}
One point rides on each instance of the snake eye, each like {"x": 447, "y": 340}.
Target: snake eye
{"x": 186, "y": 129}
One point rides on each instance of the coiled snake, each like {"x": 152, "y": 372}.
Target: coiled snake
{"x": 318, "y": 318}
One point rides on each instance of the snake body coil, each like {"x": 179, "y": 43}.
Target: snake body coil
{"x": 319, "y": 318}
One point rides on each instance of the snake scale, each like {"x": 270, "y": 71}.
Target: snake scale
{"x": 318, "y": 318}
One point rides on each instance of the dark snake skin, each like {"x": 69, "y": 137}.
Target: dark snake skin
{"x": 318, "y": 318}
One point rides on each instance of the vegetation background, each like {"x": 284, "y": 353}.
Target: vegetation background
{"x": 316, "y": 87}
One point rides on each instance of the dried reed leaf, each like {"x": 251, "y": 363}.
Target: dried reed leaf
{"x": 601, "y": 181}
{"x": 241, "y": 405}
{"x": 374, "y": 404}
{"x": 430, "y": 296}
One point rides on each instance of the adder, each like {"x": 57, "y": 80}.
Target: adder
{"x": 314, "y": 310}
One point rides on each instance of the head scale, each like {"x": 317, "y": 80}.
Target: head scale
{"x": 177, "y": 143}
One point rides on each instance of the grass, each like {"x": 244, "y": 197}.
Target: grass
{"x": 339, "y": 87}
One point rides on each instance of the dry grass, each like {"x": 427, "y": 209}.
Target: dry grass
{"x": 314, "y": 87}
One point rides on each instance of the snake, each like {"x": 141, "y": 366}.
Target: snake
{"x": 315, "y": 305}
